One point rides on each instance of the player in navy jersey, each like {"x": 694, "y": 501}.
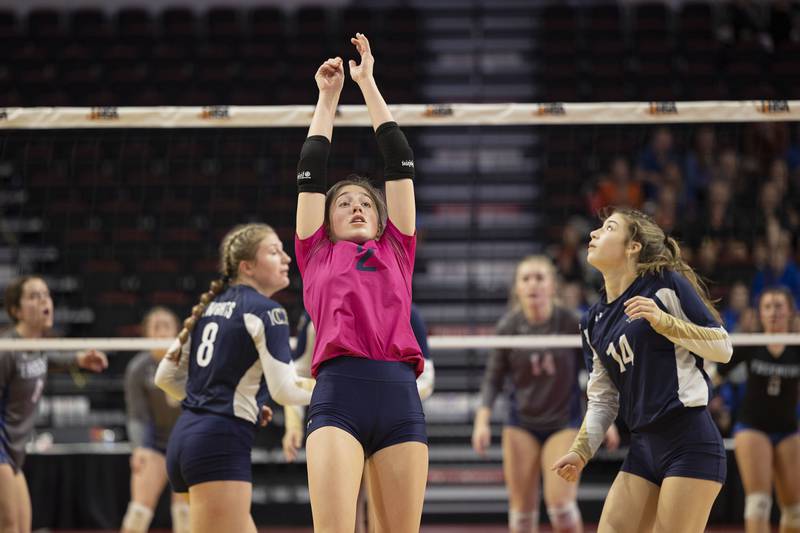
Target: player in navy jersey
{"x": 236, "y": 337}
{"x": 766, "y": 439}
{"x": 644, "y": 342}
{"x": 151, "y": 416}
{"x": 302, "y": 354}
{"x": 22, "y": 380}
{"x": 545, "y": 403}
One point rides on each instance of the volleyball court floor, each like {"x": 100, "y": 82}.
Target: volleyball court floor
{"x": 436, "y": 528}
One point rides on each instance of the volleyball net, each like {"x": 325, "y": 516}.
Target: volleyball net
{"x": 123, "y": 208}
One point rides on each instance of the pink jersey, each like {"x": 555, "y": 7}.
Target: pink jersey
{"x": 359, "y": 296}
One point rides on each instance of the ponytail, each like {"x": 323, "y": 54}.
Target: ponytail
{"x": 660, "y": 251}
{"x": 216, "y": 287}
{"x": 239, "y": 244}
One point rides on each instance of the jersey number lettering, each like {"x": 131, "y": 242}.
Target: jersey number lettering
{"x": 543, "y": 364}
{"x": 37, "y": 390}
{"x": 362, "y": 263}
{"x": 206, "y": 349}
{"x": 626, "y": 356}
{"x": 774, "y": 386}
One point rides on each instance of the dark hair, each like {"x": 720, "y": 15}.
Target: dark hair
{"x": 377, "y": 199}
{"x": 659, "y": 251}
{"x": 783, "y": 291}
{"x": 13, "y": 295}
{"x": 239, "y": 244}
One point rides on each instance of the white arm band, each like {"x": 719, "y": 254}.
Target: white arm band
{"x": 284, "y": 385}
{"x": 601, "y": 411}
{"x": 425, "y": 380}
{"x": 171, "y": 376}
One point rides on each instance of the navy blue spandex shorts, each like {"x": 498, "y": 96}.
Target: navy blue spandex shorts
{"x": 375, "y": 401}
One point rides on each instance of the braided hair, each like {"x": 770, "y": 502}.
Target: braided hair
{"x": 239, "y": 244}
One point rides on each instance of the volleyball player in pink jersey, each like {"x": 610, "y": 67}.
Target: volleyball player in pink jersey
{"x": 355, "y": 253}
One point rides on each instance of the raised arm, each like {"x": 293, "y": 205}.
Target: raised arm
{"x": 312, "y": 167}
{"x": 397, "y": 155}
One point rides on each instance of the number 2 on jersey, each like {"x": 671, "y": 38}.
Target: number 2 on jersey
{"x": 626, "y": 356}
{"x": 362, "y": 263}
{"x": 206, "y": 349}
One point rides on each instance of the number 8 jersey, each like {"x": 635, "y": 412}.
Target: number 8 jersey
{"x": 653, "y": 374}
{"x": 241, "y": 338}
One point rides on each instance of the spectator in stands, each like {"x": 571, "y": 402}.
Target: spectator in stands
{"x": 151, "y": 415}
{"x": 666, "y": 208}
{"x": 737, "y": 314}
{"x": 654, "y": 159}
{"x": 569, "y": 254}
{"x": 780, "y": 270}
{"x": 22, "y": 380}
{"x": 767, "y": 441}
{"x": 763, "y": 142}
{"x": 618, "y": 187}
{"x": 573, "y": 297}
{"x": 700, "y": 167}
{"x": 544, "y": 402}
{"x": 718, "y": 218}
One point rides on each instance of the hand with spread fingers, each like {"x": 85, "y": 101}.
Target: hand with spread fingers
{"x": 363, "y": 71}
{"x": 641, "y": 307}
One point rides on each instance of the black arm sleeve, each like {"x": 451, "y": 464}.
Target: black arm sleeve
{"x": 398, "y": 158}
{"x": 312, "y": 169}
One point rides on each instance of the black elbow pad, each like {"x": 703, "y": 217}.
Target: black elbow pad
{"x": 398, "y": 158}
{"x": 312, "y": 169}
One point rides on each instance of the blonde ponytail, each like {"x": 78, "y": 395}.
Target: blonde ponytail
{"x": 239, "y": 244}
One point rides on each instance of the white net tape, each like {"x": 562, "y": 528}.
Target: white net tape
{"x": 406, "y": 114}
{"x": 436, "y": 342}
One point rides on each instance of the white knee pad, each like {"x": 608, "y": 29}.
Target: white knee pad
{"x": 790, "y": 516}
{"x": 180, "y": 517}
{"x": 564, "y": 516}
{"x": 757, "y": 506}
{"x": 137, "y": 518}
{"x": 522, "y": 522}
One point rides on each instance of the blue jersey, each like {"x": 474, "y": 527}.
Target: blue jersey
{"x": 654, "y": 376}
{"x": 229, "y": 346}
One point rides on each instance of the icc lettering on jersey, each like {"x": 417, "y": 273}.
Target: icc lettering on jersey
{"x": 278, "y": 317}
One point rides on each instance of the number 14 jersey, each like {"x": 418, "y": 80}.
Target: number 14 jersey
{"x": 654, "y": 376}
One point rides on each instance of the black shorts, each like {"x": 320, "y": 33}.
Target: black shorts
{"x": 686, "y": 445}
{"x": 375, "y": 401}
{"x": 206, "y": 446}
